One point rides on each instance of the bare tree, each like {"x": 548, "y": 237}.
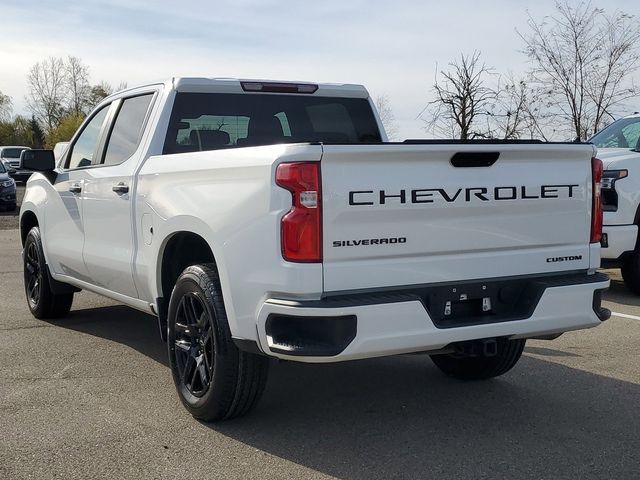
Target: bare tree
{"x": 515, "y": 111}
{"x": 582, "y": 63}
{"x": 6, "y": 107}
{"x": 462, "y": 98}
{"x": 77, "y": 84}
{"x": 47, "y": 86}
{"x": 383, "y": 105}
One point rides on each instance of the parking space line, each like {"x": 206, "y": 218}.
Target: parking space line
{"x": 624, "y": 315}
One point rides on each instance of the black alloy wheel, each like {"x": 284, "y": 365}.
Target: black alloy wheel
{"x": 214, "y": 379}
{"x": 195, "y": 346}
{"x": 42, "y": 300}
{"x": 32, "y": 274}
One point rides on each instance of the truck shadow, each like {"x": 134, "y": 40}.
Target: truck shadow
{"x": 120, "y": 324}
{"x": 399, "y": 418}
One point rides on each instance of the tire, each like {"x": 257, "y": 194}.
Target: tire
{"x": 42, "y": 302}
{"x": 630, "y": 270}
{"x": 214, "y": 379}
{"x": 479, "y": 367}
{"x": 12, "y": 207}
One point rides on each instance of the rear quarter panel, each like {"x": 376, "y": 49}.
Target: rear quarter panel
{"x": 229, "y": 198}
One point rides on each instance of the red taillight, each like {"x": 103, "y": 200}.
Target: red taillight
{"x": 596, "y": 208}
{"x": 302, "y": 227}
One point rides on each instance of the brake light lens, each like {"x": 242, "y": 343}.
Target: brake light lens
{"x": 596, "y": 209}
{"x": 301, "y": 227}
{"x": 276, "y": 87}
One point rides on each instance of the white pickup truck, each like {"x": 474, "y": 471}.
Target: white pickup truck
{"x": 619, "y": 148}
{"x": 267, "y": 219}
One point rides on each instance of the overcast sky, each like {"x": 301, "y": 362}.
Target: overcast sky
{"x": 390, "y": 47}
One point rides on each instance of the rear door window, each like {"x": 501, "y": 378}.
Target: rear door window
{"x": 127, "y": 129}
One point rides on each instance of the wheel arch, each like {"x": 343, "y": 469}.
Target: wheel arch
{"x": 181, "y": 249}
{"x": 28, "y": 220}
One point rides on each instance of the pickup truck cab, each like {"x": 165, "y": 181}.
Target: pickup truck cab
{"x": 619, "y": 148}
{"x": 10, "y": 155}
{"x": 268, "y": 219}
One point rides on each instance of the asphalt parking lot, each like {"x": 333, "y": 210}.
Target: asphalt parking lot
{"x": 91, "y": 396}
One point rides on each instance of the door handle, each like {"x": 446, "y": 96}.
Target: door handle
{"x": 120, "y": 188}
{"x": 75, "y": 188}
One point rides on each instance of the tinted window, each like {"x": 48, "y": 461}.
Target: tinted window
{"x": 208, "y": 121}
{"x": 2, "y": 169}
{"x": 127, "y": 129}
{"x": 85, "y": 146}
{"x": 12, "y": 152}
{"x": 623, "y": 133}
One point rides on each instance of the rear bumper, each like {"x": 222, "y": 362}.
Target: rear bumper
{"x": 394, "y": 322}
{"x": 618, "y": 239}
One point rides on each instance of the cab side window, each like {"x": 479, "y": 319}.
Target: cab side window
{"x": 84, "y": 149}
{"x": 127, "y": 129}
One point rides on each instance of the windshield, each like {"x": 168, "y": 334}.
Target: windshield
{"x": 623, "y": 133}
{"x": 12, "y": 152}
{"x": 208, "y": 121}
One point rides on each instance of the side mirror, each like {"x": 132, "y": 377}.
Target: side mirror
{"x": 38, "y": 160}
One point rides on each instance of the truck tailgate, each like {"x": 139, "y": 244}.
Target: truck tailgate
{"x": 403, "y": 214}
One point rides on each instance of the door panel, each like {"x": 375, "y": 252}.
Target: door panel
{"x": 109, "y": 246}
{"x": 108, "y": 249}
{"x": 63, "y": 227}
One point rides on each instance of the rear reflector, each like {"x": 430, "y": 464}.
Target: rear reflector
{"x": 596, "y": 208}
{"x": 301, "y": 227}
{"x": 272, "y": 87}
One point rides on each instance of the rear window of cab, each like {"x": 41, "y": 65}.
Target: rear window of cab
{"x": 210, "y": 121}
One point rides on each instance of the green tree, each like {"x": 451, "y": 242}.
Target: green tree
{"x": 38, "y": 134}
{"x": 16, "y": 132}
{"x": 65, "y": 129}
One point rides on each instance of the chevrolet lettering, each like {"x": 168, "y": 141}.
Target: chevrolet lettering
{"x": 468, "y": 194}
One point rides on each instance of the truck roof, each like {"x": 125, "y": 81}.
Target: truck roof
{"x": 234, "y": 85}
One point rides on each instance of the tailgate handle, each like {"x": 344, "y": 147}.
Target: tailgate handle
{"x": 474, "y": 159}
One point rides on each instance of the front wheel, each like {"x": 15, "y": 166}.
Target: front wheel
{"x": 482, "y": 366}
{"x": 214, "y": 379}
{"x": 43, "y": 303}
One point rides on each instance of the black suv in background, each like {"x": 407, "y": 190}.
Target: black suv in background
{"x": 7, "y": 189}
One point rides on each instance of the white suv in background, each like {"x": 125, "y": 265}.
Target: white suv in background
{"x": 619, "y": 149}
